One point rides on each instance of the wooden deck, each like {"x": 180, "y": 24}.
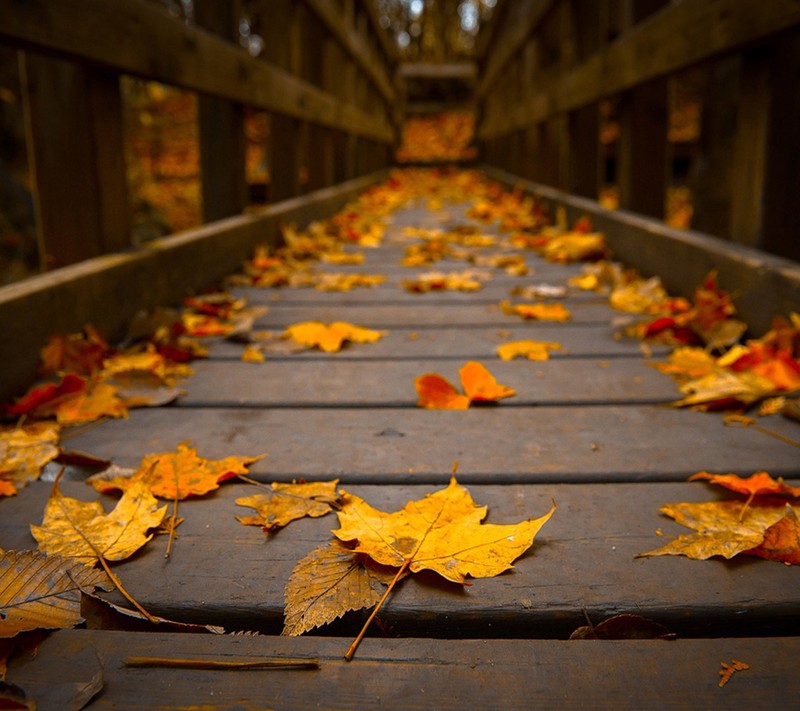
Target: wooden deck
{"x": 589, "y": 429}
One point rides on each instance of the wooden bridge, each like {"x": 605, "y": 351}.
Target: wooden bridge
{"x": 589, "y": 428}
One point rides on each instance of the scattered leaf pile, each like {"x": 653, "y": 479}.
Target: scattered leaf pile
{"x": 441, "y": 137}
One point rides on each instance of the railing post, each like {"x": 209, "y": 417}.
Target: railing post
{"x": 221, "y": 129}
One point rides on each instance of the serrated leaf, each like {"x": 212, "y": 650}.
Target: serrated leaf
{"x": 289, "y": 502}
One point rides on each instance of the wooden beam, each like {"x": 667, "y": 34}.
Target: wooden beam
{"x": 675, "y": 38}
{"x": 354, "y": 45}
{"x": 463, "y": 71}
{"x": 139, "y": 38}
{"x": 506, "y": 43}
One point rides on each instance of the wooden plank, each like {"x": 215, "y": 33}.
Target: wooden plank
{"x": 492, "y": 444}
{"x": 137, "y": 37}
{"x": 413, "y": 673}
{"x": 161, "y": 273}
{"x": 222, "y": 572}
{"x": 680, "y": 36}
{"x": 472, "y": 343}
{"x": 390, "y": 383}
{"x": 762, "y": 285}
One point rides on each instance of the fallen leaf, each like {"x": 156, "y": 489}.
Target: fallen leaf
{"x": 178, "y": 474}
{"x": 436, "y": 393}
{"x": 24, "y": 450}
{"x": 539, "y": 312}
{"x": 327, "y": 583}
{"x": 252, "y": 354}
{"x": 442, "y": 532}
{"x": 532, "y": 350}
{"x": 624, "y": 626}
{"x": 43, "y": 400}
{"x": 781, "y": 540}
{"x": 84, "y": 531}
{"x": 39, "y": 591}
{"x": 81, "y": 353}
{"x": 758, "y": 484}
{"x": 480, "y": 385}
{"x": 330, "y": 337}
{"x": 289, "y": 502}
{"x": 724, "y": 528}
{"x": 728, "y": 670}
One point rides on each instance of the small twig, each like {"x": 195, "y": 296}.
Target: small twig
{"x": 352, "y": 650}
{"x": 272, "y": 663}
{"x": 173, "y": 524}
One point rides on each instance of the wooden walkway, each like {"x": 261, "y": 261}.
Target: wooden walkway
{"x": 588, "y": 429}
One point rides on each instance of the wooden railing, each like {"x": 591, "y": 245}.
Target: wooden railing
{"x": 326, "y": 77}
{"x": 551, "y": 69}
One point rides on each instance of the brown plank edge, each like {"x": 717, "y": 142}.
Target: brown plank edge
{"x": 492, "y": 444}
{"x": 108, "y": 290}
{"x": 414, "y": 674}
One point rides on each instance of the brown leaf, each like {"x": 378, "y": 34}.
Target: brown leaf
{"x": 289, "y": 502}
{"x": 327, "y": 583}
{"x": 24, "y": 450}
{"x": 40, "y": 591}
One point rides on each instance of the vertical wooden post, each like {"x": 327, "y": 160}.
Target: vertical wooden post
{"x": 712, "y": 175}
{"x": 282, "y": 156}
{"x": 221, "y": 129}
{"x": 642, "y": 156}
{"x": 75, "y": 140}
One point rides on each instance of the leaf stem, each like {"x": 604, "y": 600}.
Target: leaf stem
{"x": 352, "y": 650}
{"x": 173, "y": 522}
{"x": 115, "y": 579}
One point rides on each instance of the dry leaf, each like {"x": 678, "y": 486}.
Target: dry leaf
{"x": 480, "y": 385}
{"x": 39, "y": 591}
{"x": 84, "y": 531}
{"x": 288, "y": 502}
{"x": 24, "y": 450}
{"x": 758, "y": 484}
{"x": 539, "y": 312}
{"x": 728, "y": 670}
{"x": 724, "y": 528}
{"x": 781, "y": 540}
{"x": 437, "y": 393}
{"x": 327, "y": 583}
{"x": 330, "y": 337}
{"x": 442, "y": 532}
{"x": 178, "y": 474}
{"x": 532, "y": 350}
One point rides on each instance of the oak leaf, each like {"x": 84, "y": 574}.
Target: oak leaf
{"x": 84, "y": 531}
{"x": 532, "y": 350}
{"x": 39, "y": 591}
{"x": 24, "y": 450}
{"x": 330, "y": 337}
{"x": 289, "y": 502}
{"x": 327, "y": 583}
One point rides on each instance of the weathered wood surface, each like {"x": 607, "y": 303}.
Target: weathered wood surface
{"x": 591, "y": 433}
{"x": 223, "y": 573}
{"x": 415, "y": 674}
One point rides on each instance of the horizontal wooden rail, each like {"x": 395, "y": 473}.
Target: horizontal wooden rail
{"x": 139, "y": 38}
{"x": 675, "y": 38}
{"x": 159, "y": 274}
{"x": 464, "y": 71}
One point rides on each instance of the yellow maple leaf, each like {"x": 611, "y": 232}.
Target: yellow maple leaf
{"x": 540, "y": 312}
{"x": 330, "y": 337}
{"x": 442, "y": 532}
{"x": 532, "y": 350}
{"x": 84, "y": 531}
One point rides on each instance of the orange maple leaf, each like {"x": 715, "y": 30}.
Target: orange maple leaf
{"x": 540, "y": 312}
{"x": 437, "y": 393}
{"x": 758, "y": 484}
